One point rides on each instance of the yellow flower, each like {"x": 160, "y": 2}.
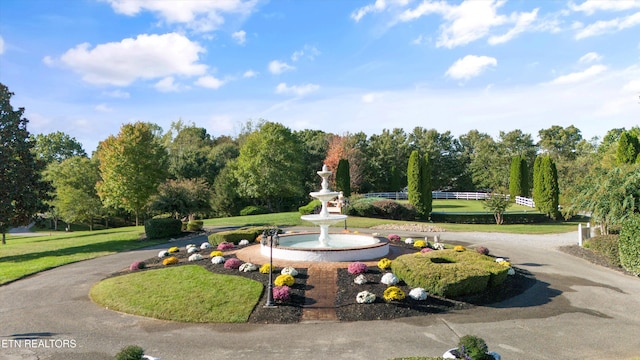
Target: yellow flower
{"x": 216, "y": 253}
{"x": 459, "y": 248}
{"x": 420, "y": 244}
{"x": 265, "y": 269}
{"x": 174, "y": 249}
{"x": 393, "y": 293}
{"x": 285, "y": 279}
{"x": 170, "y": 261}
{"x": 505, "y": 263}
{"x": 384, "y": 263}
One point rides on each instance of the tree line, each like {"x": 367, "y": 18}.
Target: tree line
{"x": 186, "y": 172}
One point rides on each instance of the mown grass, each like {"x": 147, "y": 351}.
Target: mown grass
{"x": 187, "y": 293}
{"x": 24, "y": 256}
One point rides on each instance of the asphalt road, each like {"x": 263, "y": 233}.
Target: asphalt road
{"x": 575, "y": 310}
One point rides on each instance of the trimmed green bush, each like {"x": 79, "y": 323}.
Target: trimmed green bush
{"x": 474, "y": 348}
{"x": 234, "y": 236}
{"x": 195, "y": 225}
{"x": 629, "y": 244}
{"x": 254, "y": 210}
{"x": 310, "y": 208}
{"x": 131, "y": 352}
{"x": 162, "y": 228}
{"x": 449, "y": 273}
{"x": 606, "y": 245}
{"x": 361, "y": 208}
{"x": 487, "y": 218}
{"x": 390, "y": 209}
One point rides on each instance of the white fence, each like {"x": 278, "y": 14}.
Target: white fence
{"x": 400, "y": 195}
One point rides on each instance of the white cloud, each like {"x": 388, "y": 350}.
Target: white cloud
{"x": 298, "y": 90}
{"x": 591, "y": 6}
{"x": 417, "y": 41}
{"x": 48, "y": 60}
{"x": 1, "y": 45}
{"x": 523, "y": 23}
{"x": 632, "y": 86}
{"x": 370, "y": 98}
{"x": 119, "y": 94}
{"x": 579, "y": 76}
{"x": 145, "y": 57}
{"x": 249, "y": 74}
{"x": 209, "y": 82}
{"x": 378, "y": 6}
{"x": 198, "y": 15}
{"x": 103, "y": 108}
{"x": 590, "y": 57}
{"x": 470, "y": 66}
{"x": 608, "y": 26}
{"x": 240, "y": 37}
{"x": 167, "y": 85}
{"x": 310, "y": 51}
{"x": 278, "y": 67}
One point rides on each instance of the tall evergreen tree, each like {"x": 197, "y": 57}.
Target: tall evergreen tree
{"x": 547, "y": 200}
{"x": 425, "y": 186}
{"x": 537, "y": 179}
{"x": 343, "y": 179}
{"x": 22, "y": 191}
{"x": 519, "y": 177}
{"x": 413, "y": 182}
{"x": 628, "y": 148}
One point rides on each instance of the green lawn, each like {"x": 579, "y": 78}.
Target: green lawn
{"x": 187, "y": 293}
{"x": 23, "y": 256}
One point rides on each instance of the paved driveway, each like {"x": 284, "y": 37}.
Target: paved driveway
{"x": 574, "y": 311}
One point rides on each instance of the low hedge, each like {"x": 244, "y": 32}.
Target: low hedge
{"x": 234, "y": 236}
{"x": 487, "y": 218}
{"x": 606, "y": 245}
{"x": 385, "y": 209}
{"x": 162, "y": 228}
{"x": 310, "y": 208}
{"x": 253, "y": 210}
{"x": 629, "y": 244}
{"x": 195, "y": 225}
{"x": 449, "y": 273}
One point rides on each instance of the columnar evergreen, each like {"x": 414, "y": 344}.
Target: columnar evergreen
{"x": 546, "y": 179}
{"x": 343, "y": 177}
{"x": 519, "y": 177}
{"x": 425, "y": 186}
{"x": 628, "y": 148}
{"x": 413, "y": 181}
{"x": 537, "y": 179}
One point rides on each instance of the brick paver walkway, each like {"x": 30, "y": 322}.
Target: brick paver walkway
{"x": 320, "y": 296}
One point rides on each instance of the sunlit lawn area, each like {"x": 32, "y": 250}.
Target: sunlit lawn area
{"x": 194, "y": 295}
{"x": 23, "y": 256}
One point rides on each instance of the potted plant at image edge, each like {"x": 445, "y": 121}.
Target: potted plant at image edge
{"x": 471, "y": 348}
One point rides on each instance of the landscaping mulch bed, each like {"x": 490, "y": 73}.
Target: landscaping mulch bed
{"x": 592, "y": 257}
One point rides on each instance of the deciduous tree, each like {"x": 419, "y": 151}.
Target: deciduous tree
{"x": 56, "y": 147}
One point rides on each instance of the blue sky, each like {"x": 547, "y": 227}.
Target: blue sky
{"x": 85, "y": 67}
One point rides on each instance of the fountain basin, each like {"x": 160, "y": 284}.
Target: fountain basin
{"x": 343, "y": 247}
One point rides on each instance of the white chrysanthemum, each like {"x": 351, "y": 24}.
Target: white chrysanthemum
{"x": 217, "y": 260}
{"x": 189, "y": 246}
{"x": 511, "y": 271}
{"x": 360, "y": 279}
{"x": 192, "y": 250}
{"x": 408, "y": 241}
{"x": 418, "y": 294}
{"x": 205, "y": 245}
{"x": 438, "y": 246}
{"x": 389, "y": 279}
{"x": 499, "y": 260}
{"x": 289, "y": 271}
{"x": 365, "y": 297}
{"x": 248, "y": 267}
{"x": 243, "y": 242}
{"x": 195, "y": 257}
{"x": 163, "y": 253}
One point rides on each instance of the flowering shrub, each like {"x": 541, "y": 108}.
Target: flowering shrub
{"x": 482, "y": 250}
{"x": 365, "y": 297}
{"x": 384, "y": 264}
{"x": 163, "y": 254}
{"x": 216, "y": 253}
{"x": 360, "y": 279}
{"x": 195, "y": 257}
{"x": 281, "y": 293}
{"x": 426, "y": 250}
{"x": 357, "y": 267}
{"x": 243, "y": 242}
{"x": 174, "y": 249}
{"x": 225, "y": 246}
{"x": 205, "y": 245}
{"x": 265, "y": 269}
{"x": 393, "y": 293}
{"x": 137, "y": 265}
{"x": 393, "y": 237}
{"x": 408, "y": 241}
{"x": 217, "y": 260}
{"x": 419, "y": 294}
{"x": 170, "y": 261}
{"x": 248, "y": 267}
{"x": 459, "y": 248}
{"x": 192, "y": 250}
{"x": 232, "y": 263}
{"x": 420, "y": 244}
{"x": 389, "y": 279}
{"x": 289, "y": 271}
{"x": 286, "y": 279}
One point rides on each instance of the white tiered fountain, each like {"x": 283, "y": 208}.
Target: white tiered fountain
{"x": 325, "y": 246}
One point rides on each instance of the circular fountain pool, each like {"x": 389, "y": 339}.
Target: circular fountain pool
{"x": 340, "y": 247}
